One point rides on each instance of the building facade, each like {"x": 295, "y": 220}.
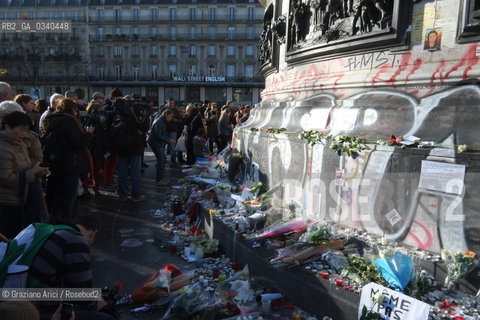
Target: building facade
{"x": 189, "y": 50}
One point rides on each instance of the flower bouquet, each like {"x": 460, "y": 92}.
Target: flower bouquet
{"x": 188, "y": 304}
{"x": 318, "y": 233}
{"x": 457, "y": 267}
{"x": 362, "y": 271}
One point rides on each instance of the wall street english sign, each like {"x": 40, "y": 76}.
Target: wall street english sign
{"x": 198, "y": 79}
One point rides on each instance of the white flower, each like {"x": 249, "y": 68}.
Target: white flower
{"x": 378, "y": 298}
{"x": 381, "y": 142}
{"x": 333, "y": 146}
{"x": 338, "y": 138}
{"x": 461, "y": 148}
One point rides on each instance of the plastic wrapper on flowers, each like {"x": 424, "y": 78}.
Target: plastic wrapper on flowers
{"x": 192, "y": 301}
{"x": 209, "y": 245}
{"x": 162, "y": 283}
{"x": 317, "y": 233}
{"x": 396, "y": 270}
{"x": 229, "y": 290}
{"x": 286, "y": 252}
{"x": 295, "y": 226}
{"x": 336, "y": 259}
{"x": 457, "y": 267}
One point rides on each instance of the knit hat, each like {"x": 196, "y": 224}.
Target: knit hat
{"x": 115, "y": 93}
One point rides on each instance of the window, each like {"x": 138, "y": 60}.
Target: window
{"x": 212, "y": 33}
{"x": 135, "y": 51}
{"x": 211, "y": 70}
{"x": 75, "y": 16}
{"x": 75, "y": 32}
{"x": 118, "y": 15}
{"x": 102, "y": 2}
{"x": 249, "y": 51}
{"x": 50, "y": 15}
{"x": 135, "y": 31}
{"x": 173, "y": 33}
{"x": 469, "y": 28}
{"x": 230, "y": 51}
{"x": 153, "y": 50}
{"x": 230, "y": 70}
{"x": 100, "y": 72}
{"x": 154, "y": 71}
{"x": 192, "y": 51}
{"x": 100, "y": 33}
{"x": 154, "y": 13}
{"x": 231, "y": 33}
{"x": 135, "y": 72}
{"x": 192, "y": 70}
{"x": 231, "y": 14}
{"x": 193, "y": 14}
{"x": 135, "y": 14}
{"x": 192, "y": 33}
{"x": 172, "y": 50}
{"x": 212, "y": 14}
{"x": 154, "y": 31}
{"x": 5, "y": 15}
{"x": 117, "y": 51}
{"x": 250, "y": 33}
{"x": 249, "y": 71}
{"x": 100, "y": 51}
{"x": 211, "y": 51}
{"x": 101, "y": 15}
{"x": 51, "y": 51}
{"x": 173, "y": 14}
{"x": 172, "y": 70}
{"x": 118, "y": 31}
{"x": 118, "y": 72}
{"x": 76, "y": 50}
{"x": 251, "y": 14}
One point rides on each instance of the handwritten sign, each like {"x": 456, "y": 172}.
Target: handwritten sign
{"x": 395, "y": 305}
{"x": 443, "y": 177}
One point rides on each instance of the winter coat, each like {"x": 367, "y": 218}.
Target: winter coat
{"x": 14, "y": 158}
{"x": 74, "y": 154}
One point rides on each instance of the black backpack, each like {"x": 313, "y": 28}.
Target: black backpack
{"x": 122, "y": 136}
{"x": 52, "y": 149}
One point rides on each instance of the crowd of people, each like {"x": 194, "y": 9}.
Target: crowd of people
{"x": 49, "y": 150}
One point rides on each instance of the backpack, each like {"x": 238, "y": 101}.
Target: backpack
{"x": 21, "y": 251}
{"x": 122, "y": 136}
{"x": 52, "y": 148}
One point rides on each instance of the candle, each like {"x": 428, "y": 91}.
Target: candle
{"x": 324, "y": 274}
{"x": 384, "y": 241}
{"x": 339, "y": 282}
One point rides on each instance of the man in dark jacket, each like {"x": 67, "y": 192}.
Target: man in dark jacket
{"x": 125, "y": 139}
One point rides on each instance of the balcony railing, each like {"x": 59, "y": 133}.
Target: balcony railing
{"x": 176, "y": 37}
{"x": 178, "y": 18}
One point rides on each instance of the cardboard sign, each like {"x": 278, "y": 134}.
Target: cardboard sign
{"x": 395, "y": 306}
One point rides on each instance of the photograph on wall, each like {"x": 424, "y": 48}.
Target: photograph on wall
{"x": 433, "y": 39}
